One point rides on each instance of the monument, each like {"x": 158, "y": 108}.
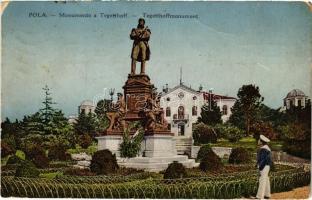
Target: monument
{"x": 140, "y": 102}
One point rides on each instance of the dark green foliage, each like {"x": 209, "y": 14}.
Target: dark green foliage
{"x": 239, "y": 155}
{"x": 296, "y": 135}
{"x": 6, "y": 149}
{"x": 104, "y": 162}
{"x": 58, "y": 152}
{"x": 263, "y": 128}
{"x": 13, "y": 160}
{"x": 246, "y": 109}
{"x": 131, "y": 145}
{"x": 210, "y": 114}
{"x": 233, "y": 134}
{"x": 210, "y": 162}
{"x": 86, "y": 124}
{"x": 297, "y": 139}
{"x": 203, "y": 151}
{"x": 41, "y": 161}
{"x": 78, "y": 172}
{"x": 175, "y": 170}
{"x": 85, "y": 141}
{"x": 27, "y": 169}
{"x": 203, "y": 134}
{"x": 36, "y": 154}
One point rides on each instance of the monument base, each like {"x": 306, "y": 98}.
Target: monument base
{"x": 110, "y": 142}
{"x": 159, "y": 146}
{"x": 155, "y": 164}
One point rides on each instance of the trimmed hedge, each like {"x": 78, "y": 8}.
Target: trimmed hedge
{"x": 239, "y": 155}
{"x": 175, "y": 170}
{"x": 104, "y": 162}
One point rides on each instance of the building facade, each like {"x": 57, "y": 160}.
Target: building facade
{"x": 182, "y": 107}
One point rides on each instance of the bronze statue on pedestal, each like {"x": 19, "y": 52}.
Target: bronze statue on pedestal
{"x": 140, "y": 50}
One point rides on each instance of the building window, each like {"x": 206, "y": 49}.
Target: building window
{"x": 83, "y": 110}
{"x": 299, "y": 103}
{"x": 168, "y": 112}
{"x": 291, "y": 103}
{"x": 194, "y": 110}
{"x": 169, "y": 127}
{"x": 224, "y": 109}
{"x": 181, "y": 129}
{"x": 181, "y": 112}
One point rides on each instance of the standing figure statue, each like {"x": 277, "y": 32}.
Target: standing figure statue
{"x": 140, "y": 50}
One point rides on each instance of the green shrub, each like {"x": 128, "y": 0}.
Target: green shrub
{"x": 41, "y": 161}
{"x": 263, "y": 128}
{"x": 203, "y": 151}
{"x": 104, "y": 162}
{"x": 204, "y": 134}
{"x": 6, "y": 149}
{"x": 78, "y": 172}
{"x": 58, "y": 152}
{"x": 85, "y": 141}
{"x": 27, "y": 169}
{"x": 130, "y": 147}
{"x": 36, "y": 154}
{"x": 239, "y": 155}
{"x": 210, "y": 162}
{"x": 175, "y": 170}
{"x": 219, "y": 128}
{"x": 296, "y": 139}
{"x": 13, "y": 160}
{"x": 233, "y": 134}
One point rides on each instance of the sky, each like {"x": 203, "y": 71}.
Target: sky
{"x": 230, "y": 44}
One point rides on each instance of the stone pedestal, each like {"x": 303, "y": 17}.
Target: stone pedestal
{"x": 111, "y": 142}
{"x": 159, "y": 146}
{"x": 137, "y": 90}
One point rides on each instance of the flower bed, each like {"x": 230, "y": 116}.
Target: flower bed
{"x": 146, "y": 185}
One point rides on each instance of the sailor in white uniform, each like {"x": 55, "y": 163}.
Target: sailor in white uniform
{"x": 264, "y": 163}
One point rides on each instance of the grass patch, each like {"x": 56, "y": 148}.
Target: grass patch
{"x": 78, "y": 149}
{"x": 51, "y": 175}
{"x": 20, "y": 154}
{"x": 249, "y": 143}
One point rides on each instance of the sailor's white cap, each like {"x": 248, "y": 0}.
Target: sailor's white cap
{"x": 264, "y": 139}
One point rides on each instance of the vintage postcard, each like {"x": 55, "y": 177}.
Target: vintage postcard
{"x": 149, "y": 99}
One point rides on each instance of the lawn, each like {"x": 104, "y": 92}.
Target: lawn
{"x": 248, "y": 143}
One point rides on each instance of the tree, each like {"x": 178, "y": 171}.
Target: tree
{"x": 86, "y": 124}
{"x": 102, "y": 107}
{"x": 47, "y": 111}
{"x": 246, "y": 108}
{"x": 210, "y": 114}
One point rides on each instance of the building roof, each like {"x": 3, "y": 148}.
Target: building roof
{"x": 216, "y": 96}
{"x": 189, "y": 89}
{"x": 87, "y": 103}
{"x": 295, "y": 93}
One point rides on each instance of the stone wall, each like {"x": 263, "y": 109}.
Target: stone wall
{"x": 279, "y": 156}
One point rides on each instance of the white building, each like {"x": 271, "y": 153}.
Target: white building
{"x": 86, "y": 106}
{"x": 295, "y": 98}
{"x": 182, "y": 106}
